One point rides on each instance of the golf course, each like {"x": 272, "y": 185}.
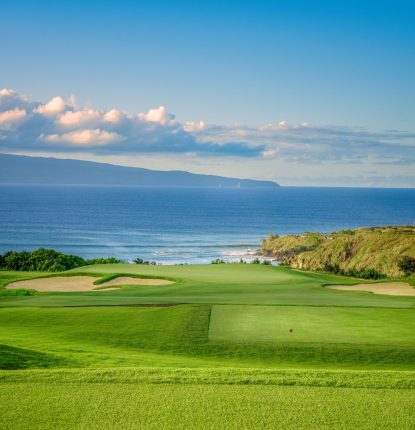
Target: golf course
{"x": 239, "y": 346}
{"x": 208, "y": 346}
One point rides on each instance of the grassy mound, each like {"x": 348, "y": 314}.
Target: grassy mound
{"x": 365, "y": 251}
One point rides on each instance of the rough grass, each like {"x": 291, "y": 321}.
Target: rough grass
{"x": 376, "y": 379}
{"x": 123, "y": 405}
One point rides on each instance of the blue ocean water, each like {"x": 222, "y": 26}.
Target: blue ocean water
{"x": 184, "y": 225}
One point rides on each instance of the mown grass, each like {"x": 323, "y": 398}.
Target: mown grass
{"x": 160, "y": 336}
{"x": 375, "y": 326}
{"x": 221, "y": 357}
{"x": 212, "y": 284}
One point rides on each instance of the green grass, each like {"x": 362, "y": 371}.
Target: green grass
{"x": 203, "y": 399}
{"x": 378, "y": 326}
{"x": 213, "y": 284}
{"x": 221, "y": 357}
{"x": 155, "y": 406}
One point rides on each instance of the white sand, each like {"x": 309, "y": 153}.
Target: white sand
{"x": 386, "y": 288}
{"x": 81, "y": 283}
{"x": 126, "y": 280}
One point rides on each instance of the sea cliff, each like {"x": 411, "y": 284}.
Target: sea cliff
{"x": 373, "y": 250}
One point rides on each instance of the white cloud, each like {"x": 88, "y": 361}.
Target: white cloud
{"x": 53, "y": 107}
{"x": 192, "y": 126}
{"x": 270, "y": 153}
{"x": 62, "y": 125}
{"x": 113, "y": 116}
{"x": 84, "y": 137}
{"x": 5, "y": 92}
{"x": 12, "y": 115}
{"x": 159, "y": 115}
{"x": 77, "y": 118}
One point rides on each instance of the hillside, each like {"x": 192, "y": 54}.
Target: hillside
{"x": 376, "y": 248}
{"x": 16, "y": 169}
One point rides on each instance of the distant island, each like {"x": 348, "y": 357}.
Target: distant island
{"x": 18, "y": 169}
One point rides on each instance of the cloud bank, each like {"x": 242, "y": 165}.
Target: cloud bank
{"x": 60, "y": 125}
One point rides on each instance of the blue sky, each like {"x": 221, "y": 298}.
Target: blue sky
{"x": 329, "y": 79}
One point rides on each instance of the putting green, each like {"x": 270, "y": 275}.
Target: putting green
{"x": 312, "y": 324}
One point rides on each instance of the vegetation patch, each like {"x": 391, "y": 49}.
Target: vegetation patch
{"x": 47, "y": 260}
{"x": 369, "y": 253}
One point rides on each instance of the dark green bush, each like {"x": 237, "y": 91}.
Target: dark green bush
{"x": 407, "y": 265}
{"x": 108, "y": 260}
{"x": 139, "y": 260}
{"x": 47, "y": 260}
{"x": 44, "y": 260}
{"x": 355, "y": 273}
{"x": 218, "y": 261}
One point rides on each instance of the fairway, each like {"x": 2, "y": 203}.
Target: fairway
{"x": 312, "y": 324}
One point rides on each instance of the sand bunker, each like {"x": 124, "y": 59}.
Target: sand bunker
{"x": 81, "y": 283}
{"x": 126, "y": 280}
{"x": 386, "y": 288}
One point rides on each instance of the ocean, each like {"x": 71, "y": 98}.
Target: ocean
{"x": 185, "y": 225}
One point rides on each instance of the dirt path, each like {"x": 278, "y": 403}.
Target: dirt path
{"x": 386, "y": 288}
{"x": 81, "y": 283}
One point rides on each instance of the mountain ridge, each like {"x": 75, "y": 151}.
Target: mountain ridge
{"x": 23, "y": 169}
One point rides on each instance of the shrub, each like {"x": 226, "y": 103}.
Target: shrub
{"x": 218, "y": 261}
{"x": 364, "y": 274}
{"x": 356, "y": 273}
{"x": 47, "y": 260}
{"x": 108, "y": 260}
{"x": 139, "y": 260}
{"x": 42, "y": 259}
{"x": 407, "y": 265}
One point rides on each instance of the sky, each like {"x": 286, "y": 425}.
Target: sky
{"x": 301, "y": 92}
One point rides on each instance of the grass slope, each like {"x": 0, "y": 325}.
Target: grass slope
{"x": 378, "y": 248}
